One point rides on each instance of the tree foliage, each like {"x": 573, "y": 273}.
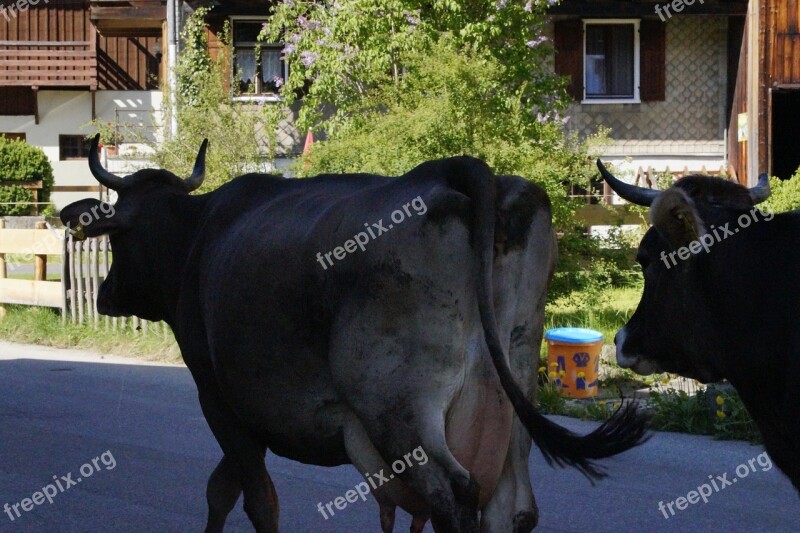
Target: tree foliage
{"x": 393, "y": 83}
{"x": 20, "y": 161}
{"x": 242, "y": 135}
{"x": 352, "y": 50}
{"x": 785, "y": 194}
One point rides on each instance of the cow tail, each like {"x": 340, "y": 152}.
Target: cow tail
{"x": 624, "y": 430}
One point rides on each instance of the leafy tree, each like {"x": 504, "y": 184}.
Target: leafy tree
{"x": 20, "y": 161}
{"x": 352, "y": 50}
{"x": 242, "y": 135}
{"x": 392, "y": 83}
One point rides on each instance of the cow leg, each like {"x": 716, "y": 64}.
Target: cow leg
{"x": 512, "y": 506}
{"x": 387, "y": 517}
{"x": 260, "y": 498}
{"x": 450, "y": 489}
{"x": 447, "y": 487}
{"x": 222, "y": 493}
{"x": 418, "y": 524}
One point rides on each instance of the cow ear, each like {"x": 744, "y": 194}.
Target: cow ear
{"x": 91, "y": 218}
{"x": 675, "y": 217}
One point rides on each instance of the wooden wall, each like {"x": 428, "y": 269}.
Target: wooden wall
{"x": 783, "y": 42}
{"x": 124, "y": 63}
{"x": 737, "y": 152}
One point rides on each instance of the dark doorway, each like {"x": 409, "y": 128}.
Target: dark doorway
{"x": 785, "y": 133}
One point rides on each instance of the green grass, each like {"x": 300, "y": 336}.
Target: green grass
{"x": 721, "y": 415}
{"x": 41, "y": 325}
{"x": 605, "y": 312}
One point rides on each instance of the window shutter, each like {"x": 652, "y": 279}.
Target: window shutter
{"x": 568, "y": 43}
{"x": 653, "y": 56}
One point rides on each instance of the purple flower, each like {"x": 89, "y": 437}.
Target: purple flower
{"x": 536, "y": 42}
{"x": 294, "y": 38}
{"x": 278, "y": 81}
{"x": 288, "y": 49}
{"x": 302, "y": 21}
{"x": 307, "y": 58}
{"x": 529, "y": 6}
{"x": 500, "y": 4}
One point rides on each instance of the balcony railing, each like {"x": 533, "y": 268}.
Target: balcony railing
{"x": 48, "y": 64}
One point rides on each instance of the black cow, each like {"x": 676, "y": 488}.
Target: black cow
{"x": 355, "y": 319}
{"x": 721, "y": 299}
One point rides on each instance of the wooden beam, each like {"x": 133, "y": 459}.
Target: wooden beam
{"x": 35, "y": 90}
{"x": 601, "y": 215}
{"x": 128, "y": 13}
{"x": 24, "y": 184}
{"x": 84, "y": 82}
{"x": 609, "y": 8}
{"x": 54, "y": 62}
{"x": 44, "y": 43}
{"x": 29, "y": 242}
{"x": 44, "y": 53}
{"x": 45, "y": 73}
{"x": 76, "y": 188}
{"x": 28, "y": 292}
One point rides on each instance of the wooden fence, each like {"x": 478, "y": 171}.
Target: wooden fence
{"x": 84, "y": 266}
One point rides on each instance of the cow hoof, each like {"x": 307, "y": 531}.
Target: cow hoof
{"x": 525, "y": 521}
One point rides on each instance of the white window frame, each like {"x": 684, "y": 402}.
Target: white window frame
{"x": 258, "y": 98}
{"x": 636, "y": 23}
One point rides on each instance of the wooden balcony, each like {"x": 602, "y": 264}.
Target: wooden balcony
{"x": 38, "y": 64}
{"x": 121, "y": 18}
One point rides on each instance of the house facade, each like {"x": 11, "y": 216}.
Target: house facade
{"x": 66, "y": 63}
{"x": 662, "y": 79}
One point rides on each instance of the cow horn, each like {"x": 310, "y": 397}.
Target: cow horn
{"x": 632, "y": 193}
{"x": 761, "y": 191}
{"x": 112, "y": 181}
{"x": 199, "y": 173}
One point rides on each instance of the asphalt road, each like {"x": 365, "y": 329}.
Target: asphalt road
{"x": 136, "y": 438}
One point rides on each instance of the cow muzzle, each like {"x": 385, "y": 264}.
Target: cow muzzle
{"x": 633, "y": 361}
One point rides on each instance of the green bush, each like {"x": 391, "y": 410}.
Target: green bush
{"x": 242, "y": 137}
{"x": 785, "y": 194}
{"x": 20, "y": 161}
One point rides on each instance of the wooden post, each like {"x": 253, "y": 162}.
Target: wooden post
{"x": 3, "y": 272}
{"x": 65, "y": 277}
{"x": 40, "y": 261}
{"x": 95, "y": 279}
{"x": 80, "y": 279}
{"x": 73, "y": 305}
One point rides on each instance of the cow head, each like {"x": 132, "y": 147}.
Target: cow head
{"x": 672, "y": 329}
{"x": 146, "y": 232}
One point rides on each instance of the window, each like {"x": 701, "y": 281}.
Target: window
{"x": 254, "y": 75}
{"x": 73, "y": 147}
{"x": 611, "y": 61}
{"x": 14, "y": 136}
